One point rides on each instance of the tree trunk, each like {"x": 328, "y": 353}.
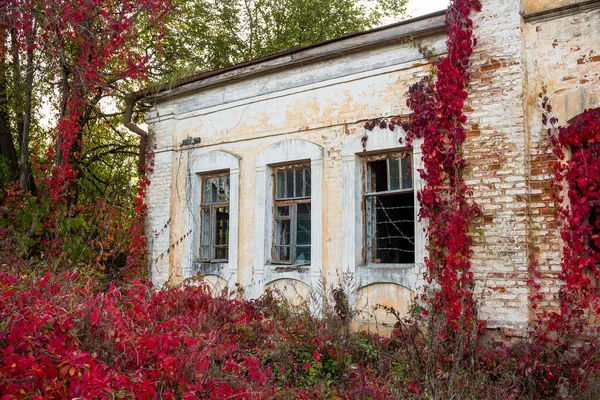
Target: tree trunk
{"x": 26, "y": 177}
{"x": 17, "y": 86}
{"x": 7, "y": 145}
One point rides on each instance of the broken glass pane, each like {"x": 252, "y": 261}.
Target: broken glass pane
{"x": 394, "y": 173}
{"x": 377, "y": 176}
{"x": 307, "y": 182}
{"x": 303, "y": 224}
{"x": 394, "y": 229}
{"x": 302, "y": 254}
{"x": 406, "y": 174}
{"x": 282, "y": 211}
{"x": 214, "y": 189}
{"x": 223, "y": 195}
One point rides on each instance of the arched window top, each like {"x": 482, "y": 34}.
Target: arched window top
{"x": 289, "y": 150}
{"x": 214, "y": 161}
{"x": 205, "y": 248}
{"x": 577, "y": 117}
{"x": 569, "y": 105}
{"x": 377, "y": 139}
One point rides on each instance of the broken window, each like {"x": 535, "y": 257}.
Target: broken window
{"x": 214, "y": 220}
{"x": 291, "y": 241}
{"x": 389, "y": 210}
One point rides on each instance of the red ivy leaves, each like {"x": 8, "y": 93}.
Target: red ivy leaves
{"x": 64, "y": 340}
{"x": 580, "y": 216}
{"x": 93, "y": 47}
{"x": 437, "y": 117}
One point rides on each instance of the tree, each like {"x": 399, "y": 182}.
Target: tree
{"x": 77, "y": 52}
{"x": 211, "y": 34}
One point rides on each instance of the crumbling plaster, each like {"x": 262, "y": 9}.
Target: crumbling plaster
{"x": 322, "y": 106}
{"x": 524, "y": 47}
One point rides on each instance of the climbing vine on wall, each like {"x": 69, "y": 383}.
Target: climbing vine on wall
{"x": 577, "y": 175}
{"x": 437, "y": 117}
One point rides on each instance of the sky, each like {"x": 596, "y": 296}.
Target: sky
{"x": 420, "y": 7}
{"x": 415, "y": 8}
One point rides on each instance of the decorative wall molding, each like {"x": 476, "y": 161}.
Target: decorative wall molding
{"x": 353, "y": 260}
{"x": 560, "y": 12}
{"x": 201, "y": 162}
{"x": 286, "y": 152}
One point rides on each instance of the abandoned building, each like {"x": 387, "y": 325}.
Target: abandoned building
{"x": 260, "y": 178}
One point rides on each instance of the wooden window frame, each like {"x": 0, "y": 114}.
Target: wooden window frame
{"x": 292, "y": 204}
{"x": 212, "y": 209}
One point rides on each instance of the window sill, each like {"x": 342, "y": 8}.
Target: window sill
{"x": 400, "y": 274}
{"x": 299, "y": 272}
{"x": 288, "y": 267}
{"x": 209, "y": 267}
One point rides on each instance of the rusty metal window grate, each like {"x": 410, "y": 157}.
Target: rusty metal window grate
{"x": 389, "y": 210}
{"x": 292, "y": 213}
{"x": 214, "y": 220}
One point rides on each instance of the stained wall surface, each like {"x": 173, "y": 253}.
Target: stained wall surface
{"x": 319, "y": 107}
{"x": 536, "y": 6}
{"x": 562, "y": 63}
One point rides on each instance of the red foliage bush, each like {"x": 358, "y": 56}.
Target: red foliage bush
{"x": 64, "y": 340}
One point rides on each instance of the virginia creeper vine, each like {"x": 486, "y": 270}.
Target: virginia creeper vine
{"x": 577, "y": 174}
{"x": 438, "y": 118}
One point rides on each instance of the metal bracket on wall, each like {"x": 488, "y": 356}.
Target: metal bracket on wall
{"x": 190, "y": 141}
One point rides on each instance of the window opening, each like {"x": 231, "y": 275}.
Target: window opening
{"x": 594, "y": 222}
{"x": 593, "y": 219}
{"x": 214, "y": 222}
{"x": 292, "y": 226}
{"x": 389, "y": 210}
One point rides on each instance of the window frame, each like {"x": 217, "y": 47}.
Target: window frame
{"x": 264, "y": 272}
{"x": 292, "y": 203}
{"x": 354, "y": 148}
{"x": 212, "y": 209}
{"x": 369, "y": 236}
{"x": 205, "y": 162}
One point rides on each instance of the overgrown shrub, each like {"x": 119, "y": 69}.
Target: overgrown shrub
{"x": 39, "y": 235}
{"x": 61, "y": 338}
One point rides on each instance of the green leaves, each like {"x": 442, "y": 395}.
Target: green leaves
{"x": 206, "y": 35}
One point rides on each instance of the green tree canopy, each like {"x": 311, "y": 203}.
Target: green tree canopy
{"x": 49, "y": 58}
{"x": 211, "y": 34}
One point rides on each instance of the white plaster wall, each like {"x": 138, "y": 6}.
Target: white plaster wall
{"x": 295, "y": 292}
{"x": 158, "y": 198}
{"x": 323, "y": 104}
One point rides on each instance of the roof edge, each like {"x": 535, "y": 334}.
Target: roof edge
{"x": 561, "y": 11}
{"x": 424, "y": 25}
